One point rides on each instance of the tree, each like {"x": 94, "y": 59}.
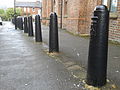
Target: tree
{"x": 10, "y": 12}
{"x": 2, "y": 14}
{"x": 18, "y": 11}
{"x": 2, "y": 11}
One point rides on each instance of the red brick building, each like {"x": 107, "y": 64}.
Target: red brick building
{"x": 30, "y": 8}
{"x": 76, "y": 15}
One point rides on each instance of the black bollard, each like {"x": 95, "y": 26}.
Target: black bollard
{"x": 12, "y": 21}
{"x": 18, "y": 22}
{"x": 30, "y": 24}
{"x": 21, "y": 23}
{"x": 98, "y": 48}
{"x": 53, "y": 34}
{"x": 15, "y": 21}
{"x": 38, "y": 34}
{"x": 25, "y": 25}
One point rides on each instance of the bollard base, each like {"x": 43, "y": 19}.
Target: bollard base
{"x": 91, "y": 87}
{"x": 95, "y": 82}
{"x": 53, "y": 54}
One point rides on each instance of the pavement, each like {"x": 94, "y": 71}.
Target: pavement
{"x": 24, "y": 65}
{"x": 76, "y": 49}
{"x": 27, "y": 65}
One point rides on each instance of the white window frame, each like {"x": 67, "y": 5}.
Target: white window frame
{"x": 112, "y": 4}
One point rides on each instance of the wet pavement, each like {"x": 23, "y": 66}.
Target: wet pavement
{"x": 24, "y": 65}
{"x": 76, "y": 49}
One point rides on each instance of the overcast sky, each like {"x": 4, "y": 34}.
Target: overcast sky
{"x": 10, "y": 3}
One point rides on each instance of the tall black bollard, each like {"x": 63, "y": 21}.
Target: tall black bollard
{"x": 25, "y": 25}
{"x": 15, "y": 21}
{"x": 12, "y": 21}
{"x": 30, "y": 24}
{"x": 38, "y": 34}
{"x": 53, "y": 34}
{"x": 98, "y": 48}
{"x": 21, "y": 23}
{"x": 18, "y": 23}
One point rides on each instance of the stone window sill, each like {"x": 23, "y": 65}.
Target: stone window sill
{"x": 113, "y": 15}
{"x": 65, "y": 16}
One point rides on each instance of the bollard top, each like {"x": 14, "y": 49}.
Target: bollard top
{"x": 25, "y": 17}
{"x": 53, "y": 13}
{"x": 101, "y": 8}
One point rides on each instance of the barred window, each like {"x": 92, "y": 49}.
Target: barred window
{"x": 112, "y": 4}
{"x": 105, "y": 2}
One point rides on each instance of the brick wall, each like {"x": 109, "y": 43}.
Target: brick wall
{"x": 73, "y": 15}
{"x": 78, "y": 18}
{"x": 30, "y": 11}
{"x": 35, "y": 11}
{"x": 114, "y": 29}
{"x": 85, "y": 14}
{"x": 78, "y": 15}
{"x": 46, "y": 10}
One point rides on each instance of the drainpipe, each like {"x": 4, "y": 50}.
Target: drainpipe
{"x": 110, "y": 5}
{"x": 14, "y": 7}
{"x": 51, "y": 5}
{"x": 15, "y": 14}
{"x": 61, "y": 14}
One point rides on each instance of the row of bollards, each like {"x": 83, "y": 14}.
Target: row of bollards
{"x": 28, "y": 28}
{"x": 98, "y": 48}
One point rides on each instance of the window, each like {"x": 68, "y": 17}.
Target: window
{"x": 28, "y": 9}
{"x": 112, "y": 4}
{"x": 33, "y": 9}
{"x": 24, "y": 9}
{"x": 54, "y": 2}
{"x": 105, "y": 2}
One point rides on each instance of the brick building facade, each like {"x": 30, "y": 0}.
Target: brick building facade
{"x": 30, "y": 8}
{"x": 76, "y": 15}
{"x": 30, "y": 11}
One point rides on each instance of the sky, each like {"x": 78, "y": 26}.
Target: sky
{"x": 10, "y": 3}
